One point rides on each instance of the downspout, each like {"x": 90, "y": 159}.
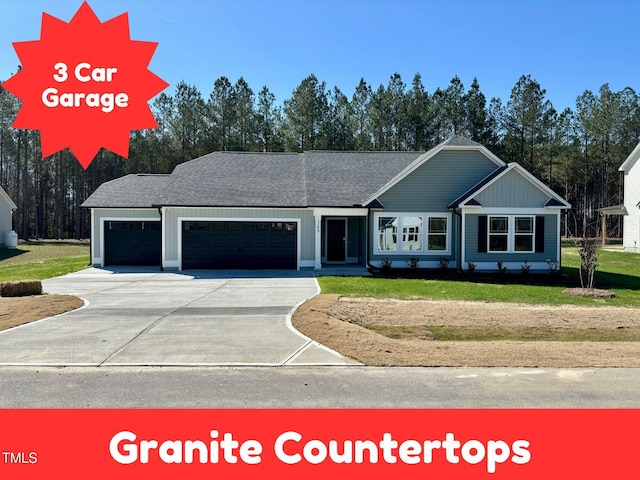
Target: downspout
{"x": 459, "y": 262}
{"x": 161, "y": 238}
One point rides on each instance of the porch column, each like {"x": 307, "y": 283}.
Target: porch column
{"x": 318, "y": 245}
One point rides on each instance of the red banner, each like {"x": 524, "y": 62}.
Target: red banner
{"x": 199, "y": 444}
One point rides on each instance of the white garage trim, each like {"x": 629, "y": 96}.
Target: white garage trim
{"x": 100, "y": 260}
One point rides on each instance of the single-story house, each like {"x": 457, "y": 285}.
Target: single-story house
{"x": 631, "y": 207}
{"x": 456, "y": 203}
{"x": 7, "y": 208}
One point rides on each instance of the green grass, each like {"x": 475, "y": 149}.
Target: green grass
{"x": 617, "y": 271}
{"x": 483, "y": 333}
{"x": 40, "y": 260}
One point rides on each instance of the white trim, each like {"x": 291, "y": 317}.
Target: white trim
{"x": 527, "y": 176}
{"x": 298, "y": 222}
{"x": 463, "y": 238}
{"x": 307, "y": 263}
{"x": 326, "y": 240}
{"x": 6, "y": 196}
{"x": 163, "y": 216}
{"x": 425, "y": 157}
{"x": 340, "y": 212}
{"x": 630, "y": 159}
{"x": 317, "y": 258}
{"x": 100, "y": 261}
{"x": 509, "y": 211}
{"x": 424, "y": 234}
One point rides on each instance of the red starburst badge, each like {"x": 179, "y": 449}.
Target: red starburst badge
{"x": 85, "y": 85}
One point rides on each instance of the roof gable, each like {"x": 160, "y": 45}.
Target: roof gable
{"x": 455, "y": 143}
{"x": 631, "y": 160}
{"x": 522, "y": 186}
{"x": 5, "y": 196}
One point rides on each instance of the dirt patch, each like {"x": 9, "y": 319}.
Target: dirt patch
{"x": 341, "y": 323}
{"x": 16, "y": 311}
{"x": 589, "y": 292}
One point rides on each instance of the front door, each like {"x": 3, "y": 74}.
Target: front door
{"x": 336, "y": 240}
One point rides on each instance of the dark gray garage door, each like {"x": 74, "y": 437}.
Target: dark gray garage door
{"x": 239, "y": 245}
{"x": 132, "y": 243}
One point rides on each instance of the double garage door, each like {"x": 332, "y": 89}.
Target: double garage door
{"x": 239, "y": 244}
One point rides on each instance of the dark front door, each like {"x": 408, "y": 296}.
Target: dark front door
{"x": 336, "y": 240}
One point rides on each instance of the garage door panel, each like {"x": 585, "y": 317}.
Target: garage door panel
{"x": 136, "y": 243}
{"x": 233, "y": 244}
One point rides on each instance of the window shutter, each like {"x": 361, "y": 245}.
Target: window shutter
{"x": 482, "y": 234}
{"x": 540, "y": 234}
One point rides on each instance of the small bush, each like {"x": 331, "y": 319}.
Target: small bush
{"x": 385, "y": 266}
{"x": 554, "y": 268}
{"x": 502, "y": 269}
{"x": 413, "y": 263}
{"x": 444, "y": 263}
{"x": 471, "y": 268}
{"x": 525, "y": 268}
{"x": 21, "y": 288}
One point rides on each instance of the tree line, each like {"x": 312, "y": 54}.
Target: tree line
{"x": 577, "y": 151}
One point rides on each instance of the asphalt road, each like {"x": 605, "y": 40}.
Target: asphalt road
{"x": 317, "y": 387}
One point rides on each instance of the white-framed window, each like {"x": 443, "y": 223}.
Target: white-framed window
{"x": 404, "y": 233}
{"x": 511, "y": 233}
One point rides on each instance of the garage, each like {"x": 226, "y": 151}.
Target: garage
{"x": 132, "y": 243}
{"x": 239, "y": 244}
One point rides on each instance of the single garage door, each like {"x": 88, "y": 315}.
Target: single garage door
{"x": 232, "y": 244}
{"x": 132, "y": 243}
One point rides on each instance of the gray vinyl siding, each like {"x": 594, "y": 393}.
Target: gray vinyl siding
{"x": 512, "y": 190}
{"x": 439, "y": 181}
{"x": 172, "y": 233}
{"x": 5, "y": 221}
{"x": 550, "y": 244}
{"x": 101, "y": 213}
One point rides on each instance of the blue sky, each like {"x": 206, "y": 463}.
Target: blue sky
{"x": 567, "y": 46}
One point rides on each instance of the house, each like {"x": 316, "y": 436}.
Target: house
{"x": 7, "y": 208}
{"x": 631, "y": 207}
{"x": 457, "y": 203}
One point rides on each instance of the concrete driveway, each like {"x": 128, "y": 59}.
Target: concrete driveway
{"x": 200, "y": 318}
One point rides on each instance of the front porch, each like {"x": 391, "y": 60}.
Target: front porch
{"x": 341, "y": 238}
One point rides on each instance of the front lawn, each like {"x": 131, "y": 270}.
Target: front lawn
{"x": 40, "y": 260}
{"x": 617, "y": 271}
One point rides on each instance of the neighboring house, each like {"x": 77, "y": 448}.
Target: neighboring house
{"x": 631, "y": 208}
{"x": 6, "y": 215}
{"x": 457, "y": 202}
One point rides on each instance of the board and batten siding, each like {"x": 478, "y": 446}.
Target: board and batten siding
{"x": 123, "y": 214}
{"x": 172, "y": 229}
{"x": 512, "y": 190}
{"x": 550, "y": 243}
{"x": 438, "y": 182}
{"x": 631, "y": 233}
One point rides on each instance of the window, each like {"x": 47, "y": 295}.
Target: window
{"x": 498, "y": 234}
{"x": 387, "y": 233}
{"x": 411, "y": 233}
{"x": 511, "y": 234}
{"x": 524, "y": 234}
{"x": 437, "y": 238}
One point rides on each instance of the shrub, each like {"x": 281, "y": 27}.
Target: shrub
{"x": 502, "y": 269}
{"x": 21, "y": 288}
{"x": 554, "y": 268}
{"x": 444, "y": 263}
{"x": 525, "y": 268}
{"x": 385, "y": 266}
{"x": 471, "y": 267}
{"x": 413, "y": 262}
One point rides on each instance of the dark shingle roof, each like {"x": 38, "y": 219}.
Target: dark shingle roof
{"x": 240, "y": 179}
{"x": 244, "y": 179}
{"x": 130, "y": 191}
